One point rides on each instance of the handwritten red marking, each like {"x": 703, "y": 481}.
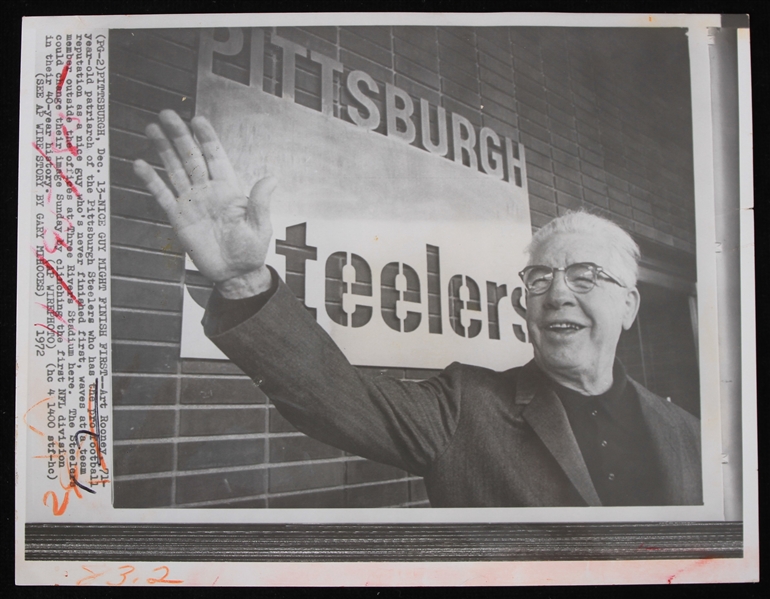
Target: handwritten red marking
{"x": 58, "y": 241}
{"x": 56, "y": 148}
{"x": 674, "y": 575}
{"x": 66, "y": 133}
{"x": 71, "y": 148}
{"x": 73, "y": 476}
{"x": 55, "y": 314}
{"x": 54, "y": 331}
{"x": 705, "y": 561}
{"x": 64, "y": 177}
{"x": 163, "y": 578}
{"x": 67, "y": 221}
{"x": 24, "y": 418}
{"x": 59, "y": 278}
{"x": 58, "y": 510}
{"x": 69, "y": 118}
{"x": 94, "y": 576}
{"x": 72, "y": 473}
{"x": 47, "y": 456}
{"x": 48, "y": 197}
{"x": 62, "y": 78}
{"x": 123, "y": 576}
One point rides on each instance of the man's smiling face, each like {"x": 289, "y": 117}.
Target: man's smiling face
{"x": 575, "y": 334}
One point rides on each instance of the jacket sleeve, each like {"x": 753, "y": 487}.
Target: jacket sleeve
{"x": 299, "y": 367}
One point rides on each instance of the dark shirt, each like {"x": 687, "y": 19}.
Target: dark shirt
{"x": 616, "y": 446}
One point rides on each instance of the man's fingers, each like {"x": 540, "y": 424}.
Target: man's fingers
{"x": 215, "y": 155}
{"x": 168, "y": 155}
{"x": 191, "y": 156}
{"x": 155, "y": 185}
{"x": 259, "y": 201}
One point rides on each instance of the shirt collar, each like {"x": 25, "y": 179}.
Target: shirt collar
{"x": 615, "y": 401}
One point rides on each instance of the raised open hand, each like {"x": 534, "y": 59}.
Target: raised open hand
{"x": 225, "y": 232}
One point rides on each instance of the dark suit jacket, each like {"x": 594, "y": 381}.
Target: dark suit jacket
{"x": 479, "y": 438}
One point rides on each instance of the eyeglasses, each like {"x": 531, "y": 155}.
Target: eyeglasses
{"x": 580, "y": 277}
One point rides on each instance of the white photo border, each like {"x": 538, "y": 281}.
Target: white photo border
{"x": 708, "y": 307}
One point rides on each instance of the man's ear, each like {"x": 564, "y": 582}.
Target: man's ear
{"x": 632, "y": 308}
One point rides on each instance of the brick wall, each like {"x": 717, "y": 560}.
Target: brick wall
{"x": 612, "y": 139}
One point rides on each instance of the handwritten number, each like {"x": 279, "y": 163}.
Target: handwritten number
{"x": 124, "y": 572}
{"x": 123, "y": 576}
{"x": 94, "y": 575}
{"x": 163, "y": 578}
{"x": 58, "y": 510}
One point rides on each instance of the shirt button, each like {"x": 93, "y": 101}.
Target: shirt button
{"x": 604, "y": 443}
{"x": 611, "y": 476}
{"x": 594, "y": 412}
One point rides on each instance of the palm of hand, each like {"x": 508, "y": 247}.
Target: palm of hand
{"x": 214, "y": 224}
{"x": 225, "y": 232}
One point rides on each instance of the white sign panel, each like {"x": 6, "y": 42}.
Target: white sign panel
{"x": 388, "y": 242}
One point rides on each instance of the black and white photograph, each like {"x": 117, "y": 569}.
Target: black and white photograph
{"x": 561, "y": 154}
{"x": 405, "y": 271}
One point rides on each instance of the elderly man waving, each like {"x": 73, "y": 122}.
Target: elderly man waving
{"x": 568, "y": 429}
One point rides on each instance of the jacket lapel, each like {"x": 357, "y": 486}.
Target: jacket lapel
{"x": 545, "y": 414}
{"x": 667, "y": 442}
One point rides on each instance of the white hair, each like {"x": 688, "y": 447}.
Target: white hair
{"x": 620, "y": 243}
